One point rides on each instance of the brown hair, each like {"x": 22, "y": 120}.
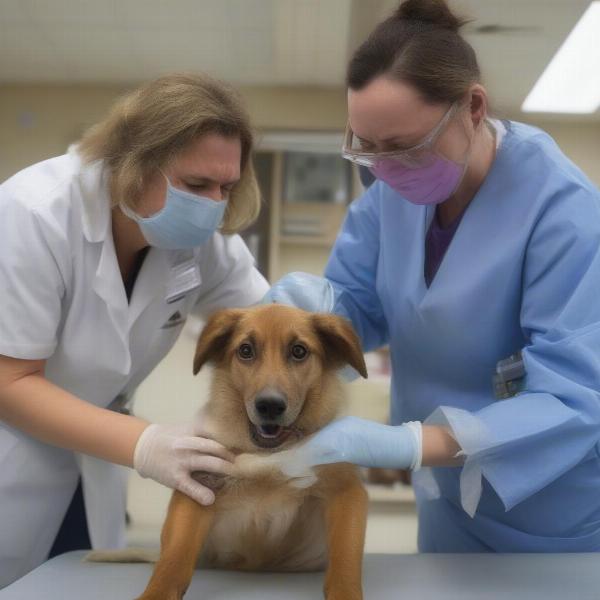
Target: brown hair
{"x": 419, "y": 44}
{"x": 148, "y": 127}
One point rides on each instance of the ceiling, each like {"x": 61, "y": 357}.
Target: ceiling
{"x": 257, "y": 42}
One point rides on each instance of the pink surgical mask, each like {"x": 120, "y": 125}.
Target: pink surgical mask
{"x": 419, "y": 174}
{"x": 432, "y": 183}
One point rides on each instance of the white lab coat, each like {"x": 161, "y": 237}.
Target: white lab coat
{"x": 63, "y": 300}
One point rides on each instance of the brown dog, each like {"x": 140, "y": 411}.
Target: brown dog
{"x": 274, "y": 383}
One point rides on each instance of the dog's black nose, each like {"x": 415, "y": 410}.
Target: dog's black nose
{"x": 270, "y": 408}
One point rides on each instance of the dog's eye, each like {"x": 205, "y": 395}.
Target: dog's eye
{"x": 299, "y": 352}
{"x": 246, "y": 352}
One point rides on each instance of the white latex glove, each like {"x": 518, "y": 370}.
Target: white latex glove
{"x": 170, "y": 454}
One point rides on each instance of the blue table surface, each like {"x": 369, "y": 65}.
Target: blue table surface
{"x": 385, "y": 577}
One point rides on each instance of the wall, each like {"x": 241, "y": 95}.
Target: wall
{"x": 579, "y": 141}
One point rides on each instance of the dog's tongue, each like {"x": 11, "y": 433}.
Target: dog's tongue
{"x": 269, "y": 431}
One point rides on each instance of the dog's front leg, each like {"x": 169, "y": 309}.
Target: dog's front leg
{"x": 346, "y": 518}
{"x": 182, "y": 537}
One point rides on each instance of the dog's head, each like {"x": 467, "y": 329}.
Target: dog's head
{"x": 275, "y": 372}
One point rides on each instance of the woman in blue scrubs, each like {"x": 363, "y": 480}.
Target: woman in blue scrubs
{"x": 479, "y": 239}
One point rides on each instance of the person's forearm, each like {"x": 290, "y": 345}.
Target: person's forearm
{"x": 47, "y": 412}
{"x": 439, "y": 447}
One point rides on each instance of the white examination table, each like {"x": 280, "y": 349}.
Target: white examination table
{"x": 386, "y": 577}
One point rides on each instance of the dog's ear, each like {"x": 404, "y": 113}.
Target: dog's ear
{"x": 213, "y": 339}
{"x": 340, "y": 341}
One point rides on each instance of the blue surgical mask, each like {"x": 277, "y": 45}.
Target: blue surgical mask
{"x": 185, "y": 221}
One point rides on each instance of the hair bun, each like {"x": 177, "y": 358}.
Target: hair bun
{"x": 435, "y": 12}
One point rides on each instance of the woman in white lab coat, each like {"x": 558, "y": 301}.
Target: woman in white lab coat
{"x": 103, "y": 253}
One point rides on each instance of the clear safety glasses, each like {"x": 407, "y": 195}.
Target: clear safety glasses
{"x": 415, "y": 156}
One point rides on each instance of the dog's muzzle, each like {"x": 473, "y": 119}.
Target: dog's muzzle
{"x": 270, "y": 410}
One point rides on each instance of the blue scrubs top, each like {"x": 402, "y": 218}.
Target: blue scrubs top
{"x": 522, "y": 272}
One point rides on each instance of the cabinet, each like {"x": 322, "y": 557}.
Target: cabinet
{"x": 306, "y": 187}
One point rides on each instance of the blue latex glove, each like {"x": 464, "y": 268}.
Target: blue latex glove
{"x": 361, "y": 442}
{"x": 302, "y": 290}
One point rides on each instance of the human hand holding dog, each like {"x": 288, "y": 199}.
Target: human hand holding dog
{"x": 371, "y": 444}
{"x": 302, "y": 290}
{"x": 361, "y": 442}
{"x": 170, "y": 454}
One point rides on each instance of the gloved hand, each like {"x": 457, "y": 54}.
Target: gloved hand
{"x": 302, "y": 290}
{"x": 361, "y": 442}
{"x": 170, "y": 454}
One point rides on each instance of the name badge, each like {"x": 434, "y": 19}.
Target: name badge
{"x": 509, "y": 376}
{"x": 185, "y": 277}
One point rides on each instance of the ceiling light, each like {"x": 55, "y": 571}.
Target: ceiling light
{"x": 571, "y": 82}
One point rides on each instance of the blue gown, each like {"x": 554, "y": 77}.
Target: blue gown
{"x": 522, "y": 272}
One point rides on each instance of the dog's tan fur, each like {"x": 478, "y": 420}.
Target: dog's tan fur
{"x": 260, "y": 520}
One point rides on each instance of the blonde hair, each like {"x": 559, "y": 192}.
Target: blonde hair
{"x": 148, "y": 127}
